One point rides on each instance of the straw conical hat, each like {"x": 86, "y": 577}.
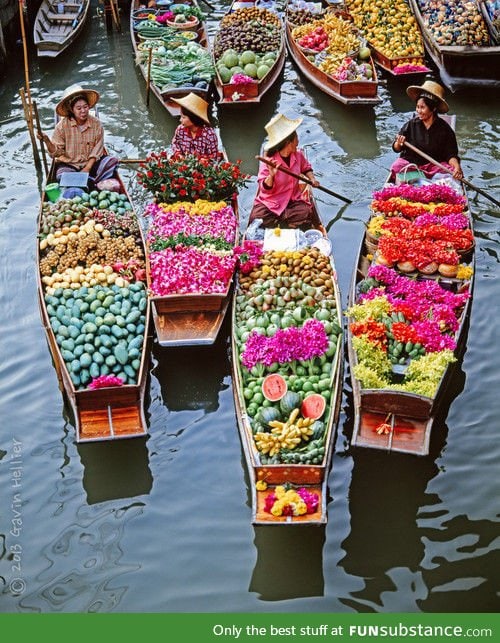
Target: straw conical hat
{"x": 194, "y": 104}
{"x": 279, "y": 128}
{"x": 432, "y": 90}
{"x": 91, "y": 97}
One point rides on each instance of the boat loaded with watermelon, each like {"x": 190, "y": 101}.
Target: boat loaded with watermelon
{"x": 287, "y": 369}
{"x": 93, "y": 304}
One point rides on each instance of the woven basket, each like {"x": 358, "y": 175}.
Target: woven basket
{"x": 189, "y": 25}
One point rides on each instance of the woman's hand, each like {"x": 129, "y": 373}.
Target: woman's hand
{"x": 399, "y": 142}
{"x": 457, "y": 173}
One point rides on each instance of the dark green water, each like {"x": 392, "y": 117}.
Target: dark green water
{"x": 163, "y": 524}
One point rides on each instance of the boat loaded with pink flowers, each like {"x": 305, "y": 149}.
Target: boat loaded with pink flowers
{"x": 192, "y": 234}
{"x": 93, "y": 304}
{"x": 408, "y": 309}
{"x": 287, "y": 371}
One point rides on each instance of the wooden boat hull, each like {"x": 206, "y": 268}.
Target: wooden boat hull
{"x": 165, "y": 96}
{"x": 54, "y": 32}
{"x": 410, "y": 416}
{"x": 250, "y": 93}
{"x": 313, "y": 477}
{"x": 461, "y": 66}
{"x": 107, "y": 413}
{"x": 346, "y": 92}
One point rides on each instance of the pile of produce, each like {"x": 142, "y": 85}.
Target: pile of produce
{"x": 333, "y": 44}
{"x": 248, "y": 42}
{"x": 190, "y": 247}
{"x": 288, "y": 335}
{"x": 391, "y": 29}
{"x": 92, "y": 265}
{"x": 455, "y": 22}
{"x": 406, "y": 325}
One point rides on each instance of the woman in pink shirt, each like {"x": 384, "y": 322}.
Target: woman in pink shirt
{"x": 194, "y": 135}
{"x": 281, "y": 200}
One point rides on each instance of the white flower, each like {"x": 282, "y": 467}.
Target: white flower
{"x": 236, "y": 96}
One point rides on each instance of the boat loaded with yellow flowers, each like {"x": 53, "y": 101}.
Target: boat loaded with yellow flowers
{"x": 248, "y": 52}
{"x": 392, "y": 33}
{"x": 287, "y": 371}
{"x": 193, "y": 230}
{"x": 329, "y": 50}
{"x": 408, "y": 312}
{"x": 460, "y": 41}
{"x": 93, "y": 304}
{"x": 172, "y": 52}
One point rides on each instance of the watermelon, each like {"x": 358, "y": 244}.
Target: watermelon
{"x": 313, "y": 406}
{"x": 274, "y": 387}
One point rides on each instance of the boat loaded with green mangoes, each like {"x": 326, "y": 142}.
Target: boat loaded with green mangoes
{"x": 287, "y": 370}
{"x": 93, "y": 303}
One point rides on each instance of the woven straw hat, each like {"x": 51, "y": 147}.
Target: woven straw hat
{"x": 63, "y": 108}
{"x": 432, "y": 90}
{"x": 279, "y": 128}
{"x": 194, "y": 104}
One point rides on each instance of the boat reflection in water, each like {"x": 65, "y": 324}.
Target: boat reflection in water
{"x": 387, "y": 496}
{"x": 289, "y": 562}
{"x": 191, "y": 377}
{"x": 113, "y": 470}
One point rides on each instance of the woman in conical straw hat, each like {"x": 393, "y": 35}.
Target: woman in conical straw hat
{"x": 77, "y": 144}
{"x": 427, "y": 131}
{"x": 194, "y": 135}
{"x": 281, "y": 200}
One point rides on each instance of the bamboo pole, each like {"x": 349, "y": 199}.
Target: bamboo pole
{"x": 303, "y": 178}
{"x": 115, "y": 14}
{"x": 29, "y": 122}
{"x": 448, "y": 171}
{"x": 42, "y": 144}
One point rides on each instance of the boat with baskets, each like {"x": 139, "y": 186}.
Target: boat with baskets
{"x": 326, "y": 46}
{"x": 287, "y": 369}
{"x": 399, "y": 51}
{"x": 57, "y": 25}
{"x": 409, "y": 305}
{"x": 173, "y": 57}
{"x": 249, "y": 53}
{"x": 93, "y": 305}
{"x": 460, "y": 42}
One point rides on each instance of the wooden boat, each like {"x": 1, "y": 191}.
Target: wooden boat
{"x": 492, "y": 19}
{"x": 400, "y": 53}
{"x": 462, "y": 65}
{"x": 388, "y": 416}
{"x": 191, "y": 318}
{"x": 337, "y": 28}
{"x": 57, "y": 24}
{"x": 269, "y": 301}
{"x": 162, "y": 42}
{"x": 235, "y": 33}
{"x": 75, "y": 334}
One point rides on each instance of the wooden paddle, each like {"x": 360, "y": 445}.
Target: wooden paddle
{"x": 132, "y": 161}
{"x": 448, "y": 171}
{"x": 42, "y": 144}
{"x": 148, "y": 81}
{"x": 303, "y": 178}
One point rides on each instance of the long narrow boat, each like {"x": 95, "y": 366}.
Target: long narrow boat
{"x": 249, "y": 53}
{"x": 93, "y": 305}
{"x": 287, "y": 363}
{"x": 491, "y": 16}
{"x": 57, "y": 25}
{"x": 173, "y": 57}
{"x": 409, "y": 304}
{"x": 327, "y": 49}
{"x": 399, "y": 52}
{"x": 464, "y": 57}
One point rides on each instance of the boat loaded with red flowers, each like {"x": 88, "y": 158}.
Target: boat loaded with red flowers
{"x": 192, "y": 234}
{"x": 287, "y": 371}
{"x": 408, "y": 309}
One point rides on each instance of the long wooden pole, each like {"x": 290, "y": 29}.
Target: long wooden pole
{"x": 115, "y": 15}
{"x": 303, "y": 178}
{"x": 148, "y": 82}
{"x": 27, "y": 106}
{"x": 29, "y": 122}
{"x": 132, "y": 161}
{"x": 42, "y": 144}
{"x": 448, "y": 171}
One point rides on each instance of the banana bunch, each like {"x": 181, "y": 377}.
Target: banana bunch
{"x": 284, "y": 435}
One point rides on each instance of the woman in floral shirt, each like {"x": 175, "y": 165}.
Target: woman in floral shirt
{"x": 194, "y": 135}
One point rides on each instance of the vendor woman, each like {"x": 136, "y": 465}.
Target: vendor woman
{"x": 429, "y": 132}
